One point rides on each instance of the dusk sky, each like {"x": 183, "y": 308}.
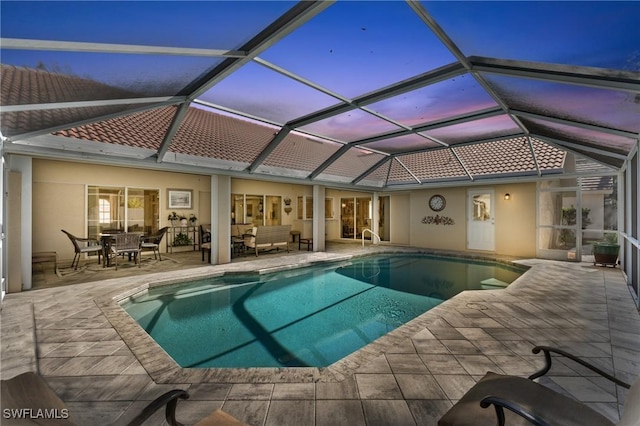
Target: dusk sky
{"x": 351, "y": 48}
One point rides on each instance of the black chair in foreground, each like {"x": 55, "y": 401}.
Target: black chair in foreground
{"x": 83, "y": 245}
{"x": 522, "y": 401}
{"x": 152, "y": 242}
{"x": 27, "y": 397}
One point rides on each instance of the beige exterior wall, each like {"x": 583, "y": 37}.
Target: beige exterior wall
{"x": 515, "y": 220}
{"x": 59, "y": 194}
{"x": 257, "y": 187}
{"x": 446, "y": 237}
{"x": 59, "y": 197}
{"x": 400, "y": 217}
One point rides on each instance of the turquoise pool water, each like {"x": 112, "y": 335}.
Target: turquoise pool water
{"x": 311, "y": 316}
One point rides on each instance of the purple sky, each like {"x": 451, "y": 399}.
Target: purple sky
{"x": 351, "y": 48}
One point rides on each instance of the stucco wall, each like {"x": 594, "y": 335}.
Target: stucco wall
{"x": 59, "y": 194}
{"x": 59, "y": 197}
{"x": 515, "y": 219}
{"x": 256, "y": 187}
{"x": 400, "y": 217}
{"x": 446, "y": 237}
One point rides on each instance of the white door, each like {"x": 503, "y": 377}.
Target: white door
{"x": 481, "y": 220}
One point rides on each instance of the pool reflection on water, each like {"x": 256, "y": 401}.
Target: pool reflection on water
{"x": 311, "y": 316}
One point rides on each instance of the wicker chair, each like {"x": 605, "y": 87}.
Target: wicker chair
{"x": 152, "y": 242}
{"x": 127, "y": 243}
{"x": 83, "y": 245}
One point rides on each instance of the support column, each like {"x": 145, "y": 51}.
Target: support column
{"x": 220, "y": 219}
{"x": 375, "y": 215}
{"x": 20, "y": 168}
{"x": 318, "y": 218}
{"x": 14, "y": 214}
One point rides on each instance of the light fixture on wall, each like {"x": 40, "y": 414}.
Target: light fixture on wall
{"x": 507, "y": 196}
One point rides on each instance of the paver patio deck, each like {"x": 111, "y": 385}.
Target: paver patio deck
{"x": 106, "y": 375}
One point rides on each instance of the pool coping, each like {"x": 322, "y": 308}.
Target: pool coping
{"x": 162, "y": 368}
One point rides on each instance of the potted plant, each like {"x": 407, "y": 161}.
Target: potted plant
{"x": 173, "y": 218}
{"x": 192, "y": 219}
{"x": 181, "y": 240}
{"x": 183, "y": 220}
{"x": 606, "y": 251}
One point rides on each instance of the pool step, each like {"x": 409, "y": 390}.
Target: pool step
{"x": 491, "y": 283}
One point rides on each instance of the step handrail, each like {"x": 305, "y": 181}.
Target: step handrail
{"x": 373, "y": 234}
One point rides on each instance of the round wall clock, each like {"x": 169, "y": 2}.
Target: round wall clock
{"x": 437, "y": 203}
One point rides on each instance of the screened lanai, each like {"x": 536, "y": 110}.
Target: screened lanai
{"x": 365, "y": 95}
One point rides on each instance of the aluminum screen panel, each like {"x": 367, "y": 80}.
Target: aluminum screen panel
{"x": 213, "y": 25}
{"x": 607, "y": 108}
{"x": 221, "y": 137}
{"x": 350, "y": 165}
{"x": 349, "y": 47}
{"x": 344, "y": 72}
{"x": 301, "y": 153}
{"x": 487, "y": 128}
{"x": 586, "y": 137}
{"x": 263, "y": 93}
{"x": 350, "y": 126}
{"x": 427, "y": 166}
{"x": 403, "y": 143}
{"x": 20, "y": 122}
{"x": 378, "y": 176}
{"x": 141, "y": 130}
{"x": 445, "y": 99}
{"x": 598, "y": 34}
{"x": 124, "y": 75}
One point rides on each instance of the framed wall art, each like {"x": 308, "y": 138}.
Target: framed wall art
{"x": 179, "y": 198}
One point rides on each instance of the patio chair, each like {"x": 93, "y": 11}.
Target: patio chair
{"x": 29, "y": 394}
{"x": 527, "y": 402}
{"x": 152, "y": 242}
{"x": 129, "y": 244}
{"x": 205, "y": 242}
{"x": 83, "y": 245}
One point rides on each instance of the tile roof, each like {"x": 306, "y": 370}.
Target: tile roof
{"x": 206, "y": 134}
{"x": 23, "y": 86}
{"x": 511, "y": 156}
{"x": 141, "y": 130}
{"x": 211, "y": 135}
{"x": 26, "y": 86}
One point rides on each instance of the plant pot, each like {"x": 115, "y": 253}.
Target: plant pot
{"x": 606, "y": 254}
{"x": 183, "y": 222}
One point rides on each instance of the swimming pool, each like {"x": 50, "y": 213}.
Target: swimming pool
{"x": 311, "y": 316}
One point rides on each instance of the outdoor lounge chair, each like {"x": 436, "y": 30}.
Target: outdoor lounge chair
{"x": 152, "y": 242}
{"x": 29, "y": 396}
{"x": 83, "y": 245}
{"x": 527, "y": 402}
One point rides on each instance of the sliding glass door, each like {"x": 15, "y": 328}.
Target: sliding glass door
{"x": 108, "y": 211}
{"x": 355, "y": 216}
